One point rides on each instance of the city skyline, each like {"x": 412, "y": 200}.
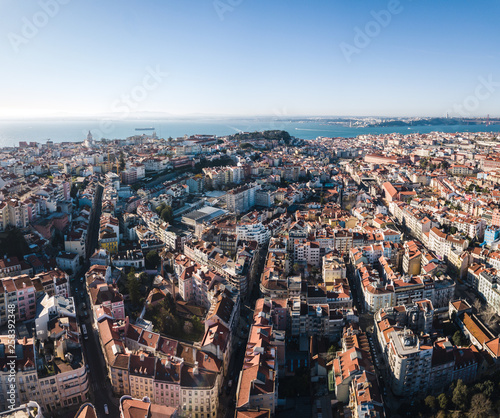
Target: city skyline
{"x": 236, "y": 58}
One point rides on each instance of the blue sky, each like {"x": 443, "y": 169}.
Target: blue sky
{"x": 252, "y": 57}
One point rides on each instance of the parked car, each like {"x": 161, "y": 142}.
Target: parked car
{"x": 106, "y": 410}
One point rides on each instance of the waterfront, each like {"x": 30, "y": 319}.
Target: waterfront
{"x": 11, "y": 132}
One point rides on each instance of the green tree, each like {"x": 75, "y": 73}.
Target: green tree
{"x": 143, "y": 278}
{"x": 167, "y": 214}
{"x": 13, "y": 244}
{"x": 331, "y": 351}
{"x": 480, "y": 407}
{"x": 458, "y": 339}
{"x": 487, "y": 388}
{"x": 133, "y": 287}
{"x": 122, "y": 161}
{"x": 152, "y": 259}
{"x": 431, "y": 403}
{"x": 460, "y": 395}
{"x": 443, "y": 401}
{"x": 160, "y": 207}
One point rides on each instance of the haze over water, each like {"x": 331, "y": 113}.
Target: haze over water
{"x": 11, "y": 132}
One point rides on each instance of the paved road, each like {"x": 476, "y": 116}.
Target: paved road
{"x": 227, "y": 400}
{"x": 99, "y": 383}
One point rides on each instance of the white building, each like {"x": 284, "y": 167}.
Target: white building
{"x": 253, "y": 232}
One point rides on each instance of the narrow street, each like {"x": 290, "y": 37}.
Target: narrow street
{"x": 100, "y": 387}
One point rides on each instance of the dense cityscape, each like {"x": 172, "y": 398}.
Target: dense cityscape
{"x": 251, "y": 275}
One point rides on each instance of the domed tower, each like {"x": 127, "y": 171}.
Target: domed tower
{"x": 89, "y": 141}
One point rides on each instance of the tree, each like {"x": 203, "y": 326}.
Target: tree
{"x": 443, "y": 401}
{"x": 431, "y": 403}
{"x": 122, "y": 161}
{"x": 331, "y": 351}
{"x": 477, "y": 305}
{"x": 460, "y": 395}
{"x": 458, "y": 339}
{"x": 167, "y": 214}
{"x": 487, "y": 388}
{"x": 133, "y": 287}
{"x": 143, "y": 278}
{"x": 480, "y": 407}
{"x": 152, "y": 259}
{"x": 489, "y": 315}
{"x": 12, "y": 243}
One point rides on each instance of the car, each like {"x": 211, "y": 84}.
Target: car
{"x": 81, "y": 294}
{"x": 106, "y": 410}
{"x": 87, "y": 368}
{"x": 84, "y": 305}
{"x": 81, "y": 280}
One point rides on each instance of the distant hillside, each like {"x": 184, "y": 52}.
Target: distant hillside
{"x": 421, "y": 122}
{"x": 268, "y": 135}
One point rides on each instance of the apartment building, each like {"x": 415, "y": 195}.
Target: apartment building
{"x": 107, "y": 296}
{"x": 13, "y": 213}
{"x": 306, "y": 253}
{"x": 257, "y": 383}
{"x": 488, "y": 289}
{"x": 442, "y": 244}
{"x": 75, "y": 242}
{"x": 366, "y": 400}
{"x": 144, "y": 363}
{"x": 20, "y": 292}
{"x": 411, "y": 258}
{"x": 253, "y": 232}
{"x": 410, "y": 363}
{"x": 242, "y": 199}
{"x": 54, "y": 380}
{"x": 129, "y": 258}
{"x": 334, "y": 270}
